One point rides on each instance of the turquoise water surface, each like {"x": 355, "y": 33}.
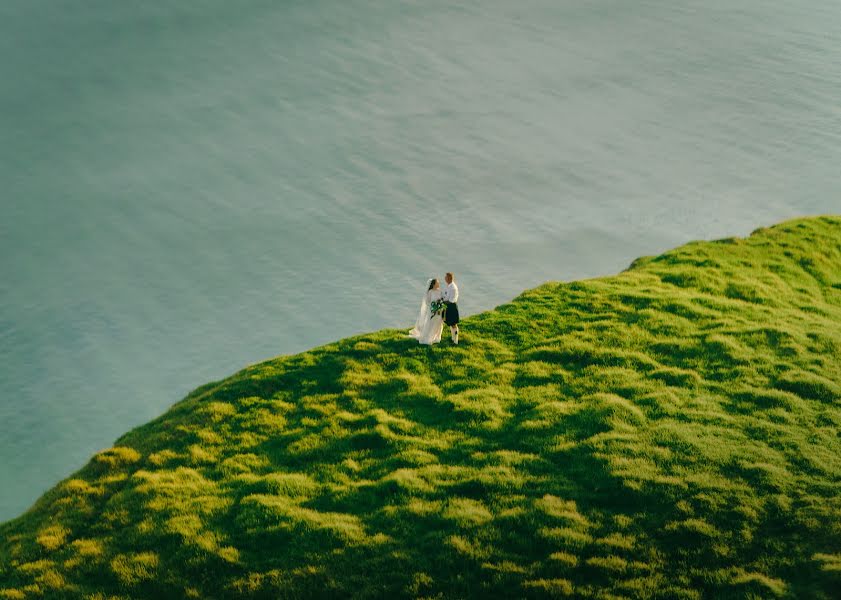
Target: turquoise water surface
{"x": 189, "y": 187}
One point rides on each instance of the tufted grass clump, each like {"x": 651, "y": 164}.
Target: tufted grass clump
{"x": 668, "y": 432}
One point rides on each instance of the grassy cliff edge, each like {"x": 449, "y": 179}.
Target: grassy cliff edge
{"x": 673, "y": 431}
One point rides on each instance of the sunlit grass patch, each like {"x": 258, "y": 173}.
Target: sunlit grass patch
{"x": 293, "y": 485}
{"x": 271, "y": 512}
{"x": 416, "y": 457}
{"x": 774, "y": 476}
{"x": 565, "y": 510}
{"x": 52, "y": 537}
{"x": 79, "y": 487}
{"x": 423, "y": 508}
{"x": 115, "y": 458}
{"x": 246, "y": 462}
{"x": 409, "y": 481}
{"x": 468, "y": 548}
{"x": 466, "y": 512}
{"x": 553, "y": 587}
{"x": 694, "y": 528}
{"x": 536, "y": 372}
{"x": 173, "y": 482}
{"x": 217, "y": 411}
{"x": 566, "y": 537}
{"x": 612, "y": 563}
{"x": 483, "y": 407}
{"x": 677, "y": 377}
{"x": 753, "y": 398}
{"x": 87, "y": 547}
{"x": 829, "y": 562}
{"x": 200, "y": 455}
{"x": 617, "y": 541}
{"x": 753, "y": 583}
{"x": 163, "y": 457}
{"x": 603, "y": 411}
{"x": 809, "y": 385}
{"x": 564, "y": 559}
{"x": 547, "y": 414}
{"x": 266, "y": 421}
{"x": 131, "y": 569}
{"x": 185, "y": 525}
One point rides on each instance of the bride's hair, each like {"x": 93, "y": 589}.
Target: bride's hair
{"x": 432, "y": 283}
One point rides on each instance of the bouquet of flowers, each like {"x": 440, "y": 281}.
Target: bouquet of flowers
{"x": 437, "y": 306}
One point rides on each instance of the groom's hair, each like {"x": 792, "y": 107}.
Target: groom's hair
{"x": 451, "y": 276}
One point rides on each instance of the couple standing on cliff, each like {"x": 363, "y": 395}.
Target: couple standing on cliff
{"x": 439, "y": 306}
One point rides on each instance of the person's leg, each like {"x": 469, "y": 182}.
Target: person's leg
{"x": 454, "y": 333}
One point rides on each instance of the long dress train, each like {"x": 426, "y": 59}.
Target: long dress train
{"x": 428, "y": 327}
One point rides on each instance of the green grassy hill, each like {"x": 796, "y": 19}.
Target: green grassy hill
{"x": 670, "y": 432}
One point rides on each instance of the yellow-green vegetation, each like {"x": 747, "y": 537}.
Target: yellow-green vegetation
{"x": 670, "y": 432}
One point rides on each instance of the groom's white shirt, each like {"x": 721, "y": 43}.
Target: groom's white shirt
{"x": 451, "y": 292}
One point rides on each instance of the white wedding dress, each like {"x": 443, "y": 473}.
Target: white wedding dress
{"x": 427, "y": 329}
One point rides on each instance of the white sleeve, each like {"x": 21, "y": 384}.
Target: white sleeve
{"x": 454, "y": 291}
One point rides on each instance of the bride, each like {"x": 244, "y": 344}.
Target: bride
{"x": 427, "y": 329}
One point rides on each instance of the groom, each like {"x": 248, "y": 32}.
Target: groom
{"x": 450, "y": 297}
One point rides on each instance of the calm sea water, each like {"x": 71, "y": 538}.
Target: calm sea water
{"x": 189, "y": 187}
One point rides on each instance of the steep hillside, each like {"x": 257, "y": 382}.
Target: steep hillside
{"x": 670, "y": 432}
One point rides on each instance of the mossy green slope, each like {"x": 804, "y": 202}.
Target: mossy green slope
{"x": 670, "y": 432}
